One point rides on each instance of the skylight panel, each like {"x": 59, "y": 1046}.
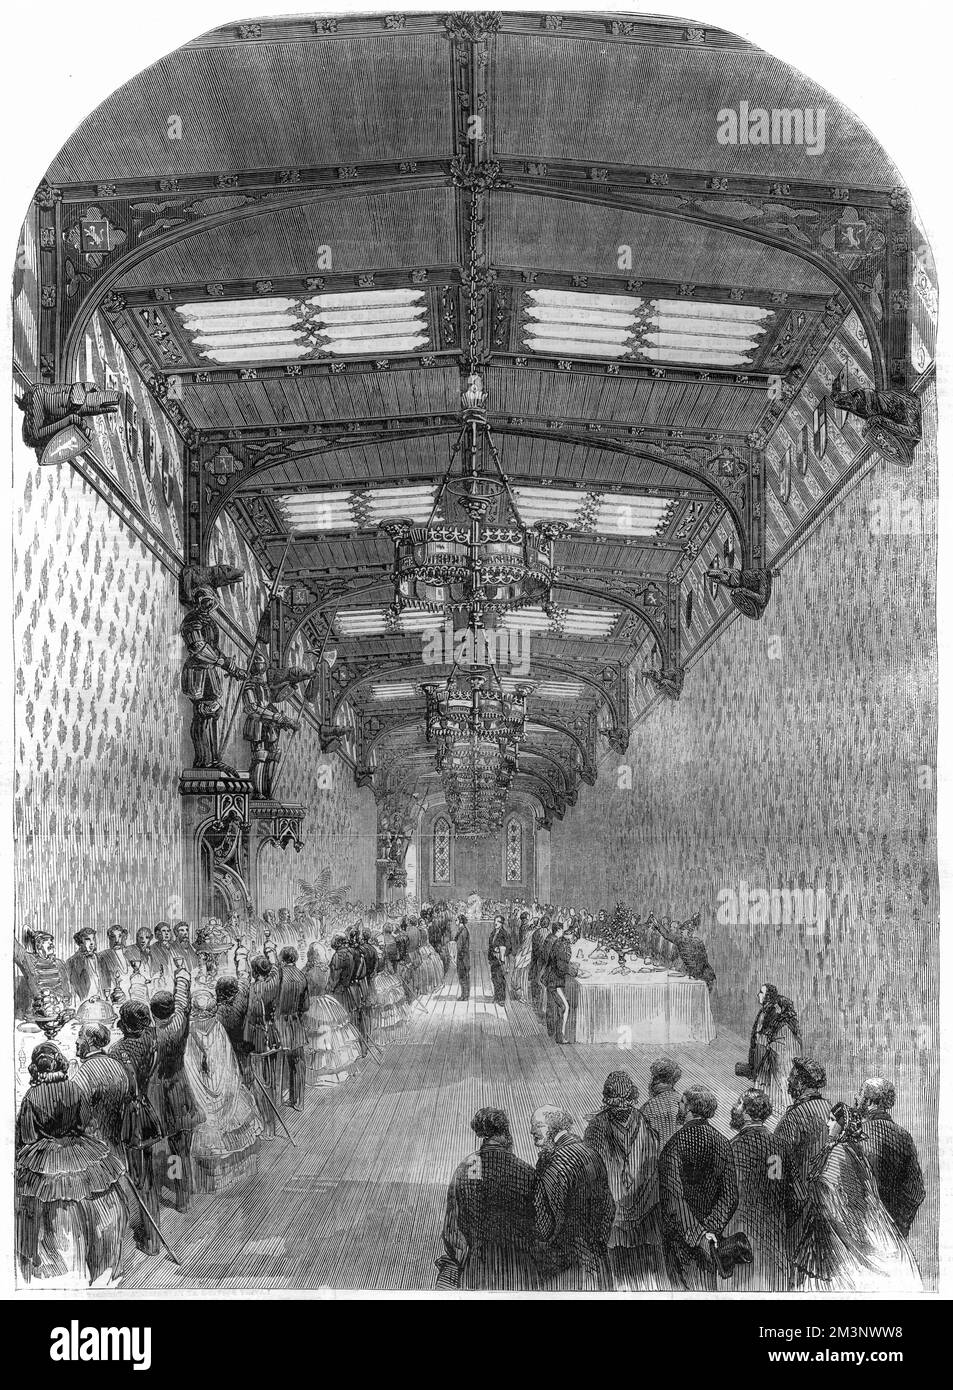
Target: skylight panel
{"x": 559, "y": 690}
{"x": 566, "y": 622}
{"x": 281, "y": 328}
{"x": 348, "y": 510}
{"x": 393, "y": 690}
{"x": 235, "y": 308}
{"x": 373, "y": 622}
{"x": 607, "y": 514}
{"x": 361, "y": 622}
{"x": 567, "y": 324}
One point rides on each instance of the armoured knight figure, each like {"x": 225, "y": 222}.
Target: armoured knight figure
{"x": 266, "y": 690}
{"x": 202, "y": 678}
{"x": 49, "y": 409}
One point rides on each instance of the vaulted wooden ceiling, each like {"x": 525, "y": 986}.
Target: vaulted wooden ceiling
{"x": 498, "y": 166}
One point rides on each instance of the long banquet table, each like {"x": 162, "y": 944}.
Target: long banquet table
{"x": 654, "y": 1008}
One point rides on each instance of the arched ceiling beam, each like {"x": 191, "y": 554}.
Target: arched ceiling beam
{"x": 418, "y": 670}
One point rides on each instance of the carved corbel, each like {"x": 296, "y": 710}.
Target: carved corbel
{"x": 668, "y": 682}
{"x": 893, "y": 420}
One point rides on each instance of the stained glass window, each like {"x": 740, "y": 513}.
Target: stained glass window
{"x": 441, "y": 850}
{"x": 513, "y": 860}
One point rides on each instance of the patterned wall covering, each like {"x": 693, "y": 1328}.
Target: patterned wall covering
{"x": 137, "y": 446}
{"x": 340, "y": 831}
{"x": 801, "y": 755}
{"x": 796, "y": 496}
{"x": 98, "y": 732}
{"x": 242, "y": 603}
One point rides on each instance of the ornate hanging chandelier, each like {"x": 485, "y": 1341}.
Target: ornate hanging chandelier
{"x": 480, "y": 561}
{"x": 477, "y": 729}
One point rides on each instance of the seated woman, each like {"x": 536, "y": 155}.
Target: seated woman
{"x": 71, "y": 1215}
{"x": 225, "y": 1144}
{"x": 775, "y": 1042}
{"x": 332, "y": 1042}
{"x": 850, "y": 1242}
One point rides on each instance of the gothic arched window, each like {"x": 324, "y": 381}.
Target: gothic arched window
{"x": 513, "y": 851}
{"x": 441, "y": 850}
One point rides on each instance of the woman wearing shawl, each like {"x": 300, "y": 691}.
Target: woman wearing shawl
{"x": 225, "y": 1144}
{"x": 850, "y": 1243}
{"x": 775, "y": 1042}
{"x": 71, "y": 1214}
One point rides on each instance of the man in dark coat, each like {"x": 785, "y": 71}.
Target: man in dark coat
{"x": 141, "y": 1131}
{"x": 231, "y": 1002}
{"x": 85, "y": 976}
{"x": 488, "y": 1235}
{"x": 891, "y": 1153}
{"x": 760, "y": 1210}
{"x": 290, "y": 1010}
{"x": 260, "y": 1033}
{"x": 698, "y": 1192}
{"x": 629, "y": 1148}
{"x": 172, "y": 1095}
{"x": 558, "y": 971}
{"x": 496, "y": 948}
{"x": 140, "y": 955}
{"x": 800, "y": 1136}
{"x": 661, "y": 1109}
{"x": 182, "y": 940}
{"x": 573, "y": 1209}
{"x": 113, "y": 962}
{"x": 541, "y": 933}
{"x": 106, "y": 1081}
{"x": 692, "y": 953}
{"x": 462, "y": 939}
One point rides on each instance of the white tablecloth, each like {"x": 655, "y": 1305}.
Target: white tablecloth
{"x": 628, "y": 1010}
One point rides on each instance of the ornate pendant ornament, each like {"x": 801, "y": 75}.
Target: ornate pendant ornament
{"x": 477, "y": 729}
{"x": 479, "y": 562}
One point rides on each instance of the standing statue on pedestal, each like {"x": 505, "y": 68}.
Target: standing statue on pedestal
{"x": 265, "y": 691}
{"x": 203, "y": 676}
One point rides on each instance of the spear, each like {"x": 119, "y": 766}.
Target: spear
{"x": 266, "y": 1093}
{"x": 259, "y": 632}
{"x": 283, "y": 754}
{"x": 154, "y": 1224}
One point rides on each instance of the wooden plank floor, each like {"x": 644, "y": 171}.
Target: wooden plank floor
{"x": 358, "y": 1204}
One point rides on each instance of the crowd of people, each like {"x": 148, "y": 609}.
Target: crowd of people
{"x": 654, "y": 1196}
{"x": 189, "y": 1050}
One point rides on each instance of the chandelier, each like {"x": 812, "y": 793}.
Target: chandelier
{"x": 477, "y": 729}
{"x": 481, "y": 561}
